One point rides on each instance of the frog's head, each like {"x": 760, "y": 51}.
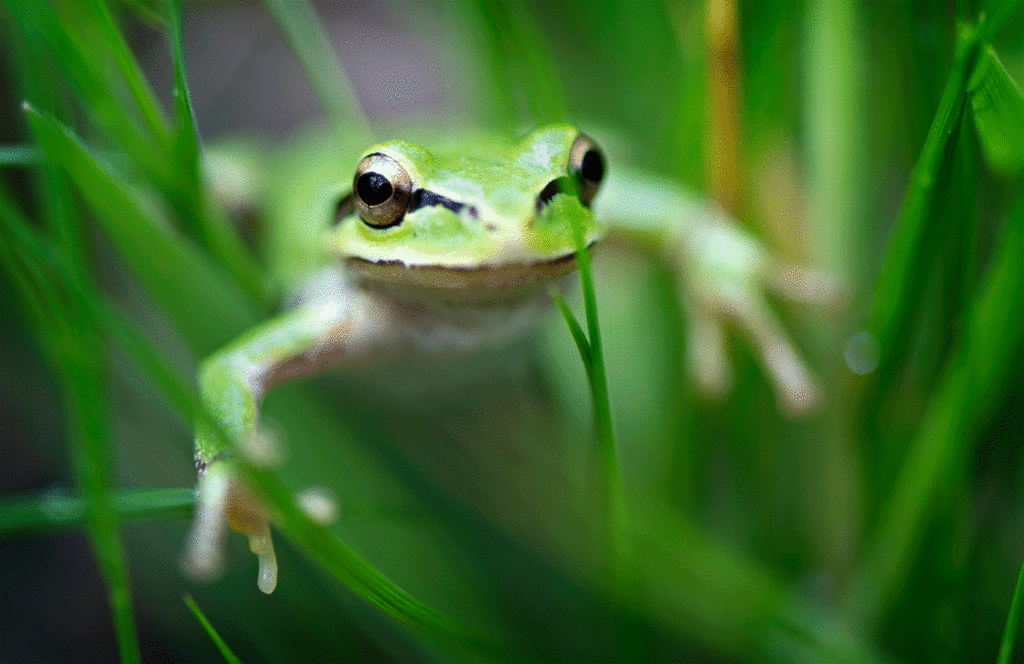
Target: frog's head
{"x": 488, "y": 215}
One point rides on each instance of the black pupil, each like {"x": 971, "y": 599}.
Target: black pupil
{"x": 592, "y": 168}
{"x": 373, "y": 188}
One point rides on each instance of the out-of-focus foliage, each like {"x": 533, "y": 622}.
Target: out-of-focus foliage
{"x": 883, "y": 143}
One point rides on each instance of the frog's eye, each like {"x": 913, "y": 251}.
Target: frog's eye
{"x": 585, "y": 172}
{"x": 381, "y": 189}
{"x": 586, "y": 163}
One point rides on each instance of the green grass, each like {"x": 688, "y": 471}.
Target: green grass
{"x": 225, "y": 651}
{"x": 884, "y": 145}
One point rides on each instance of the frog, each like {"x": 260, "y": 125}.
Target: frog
{"x": 455, "y": 247}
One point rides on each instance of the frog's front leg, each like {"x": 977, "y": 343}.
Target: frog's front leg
{"x": 334, "y": 329}
{"x": 724, "y": 273}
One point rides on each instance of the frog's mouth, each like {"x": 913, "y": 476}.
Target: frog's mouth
{"x": 468, "y": 280}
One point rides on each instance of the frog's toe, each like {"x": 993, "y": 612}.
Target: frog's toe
{"x": 796, "y": 388}
{"x": 706, "y": 356}
{"x": 803, "y": 284}
{"x": 246, "y": 515}
{"x": 204, "y": 553}
{"x": 262, "y": 545}
{"x": 222, "y": 502}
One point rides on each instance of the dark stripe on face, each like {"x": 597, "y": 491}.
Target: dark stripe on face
{"x": 423, "y": 198}
{"x": 345, "y": 208}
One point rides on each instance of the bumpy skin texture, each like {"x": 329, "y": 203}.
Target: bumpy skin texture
{"x": 467, "y": 272}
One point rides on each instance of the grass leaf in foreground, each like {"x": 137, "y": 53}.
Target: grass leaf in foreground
{"x": 173, "y": 272}
{"x": 897, "y": 295}
{"x": 143, "y": 96}
{"x": 77, "y": 356}
{"x": 83, "y": 64}
{"x": 191, "y": 199}
{"x": 317, "y": 541}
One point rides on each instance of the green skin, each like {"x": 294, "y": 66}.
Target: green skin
{"x": 441, "y": 280}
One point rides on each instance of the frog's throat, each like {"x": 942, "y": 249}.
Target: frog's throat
{"x": 478, "y": 278}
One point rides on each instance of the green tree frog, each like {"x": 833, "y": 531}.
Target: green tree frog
{"x": 453, "y": 248}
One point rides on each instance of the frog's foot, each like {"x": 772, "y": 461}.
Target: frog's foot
{"x": 726, "y": 272}
{"x": 224, "y": 501}
{"x": 797, "y": 390}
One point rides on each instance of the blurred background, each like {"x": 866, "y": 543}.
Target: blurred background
{"x": 885, "y": 526}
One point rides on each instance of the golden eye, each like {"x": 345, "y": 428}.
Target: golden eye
{"x": 586, "y": 163}
{"x": 381, "y": 189}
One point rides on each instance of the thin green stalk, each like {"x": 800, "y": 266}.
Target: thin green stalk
{"x": 51, "y": 511}
{"x": 225, "y": 651}
{"x": 608, "y": 482}
{"x": 611, "y": 478}
{"x": 578, "y": 335}
{"x": 1012, "y": 621}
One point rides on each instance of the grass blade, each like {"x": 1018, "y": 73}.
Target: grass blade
{"x": 301, "y": 27}
{"x": 56, "y": 511}
{"x": 141, "y": 93}
{"x": 896, "y": 297}
{"x": 1012, "y": 622}
{"x": 225, "y": 651}
{"x": 20, "y": 156}
{"x": 82, "y": 63}
{"x": 77, "y": 356}
{"x": 339, "y": 560}
{"x": 85, "y": 378}
{"x": 189, "y": 196}
{"x": 315, "y": 539}
{"x": 998, "y": 106}
{"x": 974, "y": 380}
{"x": 174, "y": 274}
{"x": 608, "y": 480}
{"x": 578, "y": 335}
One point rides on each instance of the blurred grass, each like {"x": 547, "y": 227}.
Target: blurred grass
{"x": 55, "y": 511}
{"x": 888, "y": 526}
